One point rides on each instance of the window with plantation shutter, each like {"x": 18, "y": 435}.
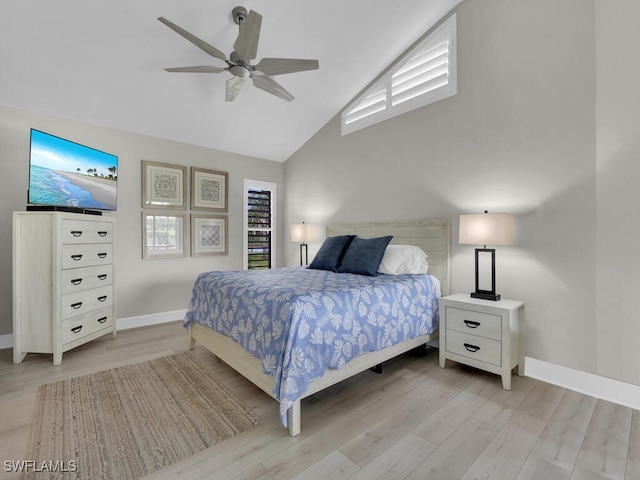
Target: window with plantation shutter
{"x": 259, "y": 238}
{"x": 423, "y": 75}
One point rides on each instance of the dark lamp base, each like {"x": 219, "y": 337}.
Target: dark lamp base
{"x": 486, "y": 296}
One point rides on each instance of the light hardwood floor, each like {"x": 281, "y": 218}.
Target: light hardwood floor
{"x": 414, "y": 421}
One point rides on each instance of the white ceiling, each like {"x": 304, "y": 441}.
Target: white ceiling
{"x": 101, "y": 62}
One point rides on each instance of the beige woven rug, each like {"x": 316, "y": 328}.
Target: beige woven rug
{"x": 130, "y": 421}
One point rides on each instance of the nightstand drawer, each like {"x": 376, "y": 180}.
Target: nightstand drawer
{"x": 475, "y": 323}
{"x": 472, "y": 346}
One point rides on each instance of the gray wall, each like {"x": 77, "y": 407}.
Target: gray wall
{"x": 520, "y": 137}
{"x": 618, "y": 167}
{"x": 143, "y": 286}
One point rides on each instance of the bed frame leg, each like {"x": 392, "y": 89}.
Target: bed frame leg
{"x": 192, "y": 339}
{"x": 293, "y": 419}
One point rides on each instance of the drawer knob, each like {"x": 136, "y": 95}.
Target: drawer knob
{"x": 76, "y": 281}
{"x": 76, "y": 306}
{"x": 102, "y": 276}
{"x": 471, "y": 324}
{"x": 102, "y": 255}
{"x": 102, "y": 298}
{"x": 471, "y": 348}
{"x": 102, "y": 319}
{"x": 102, "y": 233}
{"x": 77, "y": 257}
{"x": 76, "y": 329}
{"x": 76, "y": 233}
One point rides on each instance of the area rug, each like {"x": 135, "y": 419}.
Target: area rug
{"x": 130, "y": 421}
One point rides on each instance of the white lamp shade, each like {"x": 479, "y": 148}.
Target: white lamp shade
{"x": 306, "y": 233}
{"x": 486, "y": 229}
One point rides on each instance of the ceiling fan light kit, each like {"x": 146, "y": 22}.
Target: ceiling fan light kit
{"x": 239, "y": 61}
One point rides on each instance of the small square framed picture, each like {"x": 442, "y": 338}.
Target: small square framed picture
{"x": 209, "y": 235}
{"x": 164, "y": 235}
{"x": 164, "y": 185}
{"x": 209, "y": 190}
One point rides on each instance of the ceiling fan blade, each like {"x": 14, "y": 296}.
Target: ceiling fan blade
{"x": 233, "y": 86}
{"x": 278, "y": 66}
{"x": 246, "y": 45}
{"x": 213, "y": 51}
{"x": 201, "y": 69}
{"x": 269, "y": 85}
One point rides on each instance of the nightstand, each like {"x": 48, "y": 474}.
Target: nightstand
{"x": 483, "y": 334}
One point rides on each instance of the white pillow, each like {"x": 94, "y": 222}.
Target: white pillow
{"x": 399, "y": 259}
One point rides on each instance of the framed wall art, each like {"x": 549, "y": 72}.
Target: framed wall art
{"x": 164, "y": 185}
{"x": 208, "y": 235}
{"x": 164, "y": 235}
{"x": 209, "y": 190}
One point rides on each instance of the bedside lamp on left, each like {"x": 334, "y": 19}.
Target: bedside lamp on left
{"x": 305, "y": 233}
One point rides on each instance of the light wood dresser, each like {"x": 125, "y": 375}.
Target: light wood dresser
{"x": 483, "y": 334}
{"x": 63, "y": 281}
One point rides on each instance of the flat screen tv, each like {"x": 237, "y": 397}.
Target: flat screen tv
{"x": 64, "y": 175}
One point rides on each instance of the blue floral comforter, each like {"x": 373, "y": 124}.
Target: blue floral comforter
{"x": 300, "y": 322}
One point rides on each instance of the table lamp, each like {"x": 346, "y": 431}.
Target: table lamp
{"x": 486, "y": 229}
{"x": 304, "y": 233}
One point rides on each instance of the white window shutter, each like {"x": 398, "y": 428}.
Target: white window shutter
{"x": 425, "y": 74}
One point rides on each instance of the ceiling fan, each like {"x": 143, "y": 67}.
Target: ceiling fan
{"x": 239, "y": 62}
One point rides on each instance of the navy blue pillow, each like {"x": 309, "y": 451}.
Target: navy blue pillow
{"x": 364, "y": 255}
{"x": 331, "y": 252}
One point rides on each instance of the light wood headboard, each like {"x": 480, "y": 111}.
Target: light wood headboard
{"x": 432, "y": 236}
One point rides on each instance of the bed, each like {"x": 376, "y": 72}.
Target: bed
{"x": 369, "y": 319}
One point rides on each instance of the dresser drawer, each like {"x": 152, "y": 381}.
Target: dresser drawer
{"x": 79, "y": 327}
{"x": 78, "y": 231}
{"x": 78, "y": 279}
{"x": 77, "y": 303}
{"x": 475, "y": 323}
{"x": 472, "y": 346}
{"x": 76, "y": 256}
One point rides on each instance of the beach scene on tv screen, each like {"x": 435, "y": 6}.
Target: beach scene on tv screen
{"x": 64, "y": 173}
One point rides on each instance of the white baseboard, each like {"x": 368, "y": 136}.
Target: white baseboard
{"x": 151, "y": 319}
{"x": 6, "y": 341}
{"x": 605, "y": 388}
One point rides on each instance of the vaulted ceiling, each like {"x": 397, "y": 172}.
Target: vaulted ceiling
{"x": 101, "y": 62}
